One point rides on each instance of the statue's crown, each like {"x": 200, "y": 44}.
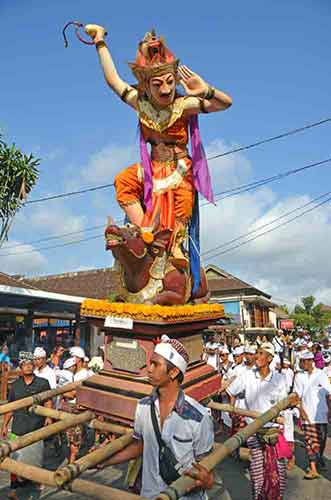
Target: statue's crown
{"x": 153, "y": 58}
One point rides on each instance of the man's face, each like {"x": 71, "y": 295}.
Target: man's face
{"x": 39, "y": 362}
{"x": 162, "y": 89}
{"x": 307, "y": 364}
{"x": 238, "y": 359}
{"x": 250, "y": 359}
{"x": 263, "y": 359}
{"x": 158, "y": 374}
{"x": 27, "y": 368}
{"x": 224, "y": 357}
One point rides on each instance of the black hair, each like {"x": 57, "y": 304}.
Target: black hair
{"x": 180, "y": 376}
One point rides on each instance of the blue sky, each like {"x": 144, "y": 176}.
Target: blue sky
{"x": 273, "y": 58}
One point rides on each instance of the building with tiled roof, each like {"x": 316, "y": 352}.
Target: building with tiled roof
{"x": 248, "y": 307}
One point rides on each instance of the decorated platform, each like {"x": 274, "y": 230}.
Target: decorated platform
{"x": 131, "y": 333}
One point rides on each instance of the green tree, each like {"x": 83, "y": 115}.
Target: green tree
{"x": 308, "y": 303}
{"x": 284, "y": 307}
{"x": 18, "y": 175}
{"x": 309, "y": 315}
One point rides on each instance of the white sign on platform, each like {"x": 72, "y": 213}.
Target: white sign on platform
{"x": 116, "y": 322}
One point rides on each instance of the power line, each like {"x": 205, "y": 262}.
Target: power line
{"x": 273, "y": 138}
{"x": 228, "y": 194}
{"x": 256, "y": 184}
{"x": 54, "y": 246}
{"x": 265, "y": 225}
{"x": 270, "y": 230}
{"x": 56, "y": 236}
{"x": 226, "y": 153}
{"x": 215, "y": 248}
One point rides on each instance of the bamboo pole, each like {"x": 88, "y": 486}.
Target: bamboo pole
{"x": 94, "y": 424}
{"x": 71, "y": 471}
{"x": 81, "y": 486}
{"x": 179, "y": 487}
{"x": 237, "y": 411}
{"x": 8, "y": 447}
{"x": 38, "y": 398}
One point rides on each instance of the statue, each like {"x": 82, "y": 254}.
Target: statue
{"x": 159, "y": 195}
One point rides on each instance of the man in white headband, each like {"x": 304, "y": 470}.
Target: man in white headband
{"x": 262, "y": 389}
{"x": 313, "y": 387}
{"x": 185, "y": 427}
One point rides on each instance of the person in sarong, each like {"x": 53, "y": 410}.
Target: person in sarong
{"x": 23, "y": 421}
{"x": 160, "y": 191}
{"x": 262, "y": 389}
{"x": 314, "y": 388}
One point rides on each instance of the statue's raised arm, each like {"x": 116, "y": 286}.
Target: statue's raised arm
{"x": 127, "y": 93}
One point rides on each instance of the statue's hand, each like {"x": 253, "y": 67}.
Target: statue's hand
{"x": 97, "y": 33}
{"x": 193, "y": 84}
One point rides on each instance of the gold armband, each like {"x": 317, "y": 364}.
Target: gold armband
{"x": 210, "y": 93}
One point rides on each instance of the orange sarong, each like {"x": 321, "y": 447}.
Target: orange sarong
{"x": 169, "y": 205}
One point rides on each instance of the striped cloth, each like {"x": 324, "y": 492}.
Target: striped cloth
{"x": 315, "y": 437}
{"x": 268, "y": 473}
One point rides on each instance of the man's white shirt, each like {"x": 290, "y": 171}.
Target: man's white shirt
{"x": 313, "y": 390}
{"x": 259, "y": 394}
{"x": 48, "y": 374}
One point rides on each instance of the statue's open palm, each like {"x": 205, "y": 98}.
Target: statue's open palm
{"x": 193, "y": 84}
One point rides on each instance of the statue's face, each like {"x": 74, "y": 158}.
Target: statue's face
{"x": 162, "y": 89}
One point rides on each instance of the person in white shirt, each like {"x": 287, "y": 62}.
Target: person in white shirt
{"x": 225, "y": 367}
{"x": 314, "y": 390}
{"x": 327, "y": 367}
{"x": 75, "y": 434}
{"x": 279, "y": 344}
{"x": 211, "y": 354}
{"x": 262, "y": 389}
{"x": 42, "y": 369}
{"x": 250, "y": 354}
{"x": 81, "y": 372}
{"x": 237, "y": 370}
{"x": 288, "y": 373}
{"x": 66, "y": 376}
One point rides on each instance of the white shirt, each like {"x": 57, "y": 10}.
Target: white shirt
{"x": 82, "y": 375}
{"x": 259, "y": 394}
{"x": 313, "y": 390}
{"x": 278, "y": 344}
{"x": 289, "y": 375}
{"x": 327, "y": 370}
{"x": 48, "y": 374}
{"x": 65, "y": 377}
{"x": 187, "y": 430}
{"x": 274, "y": 362}
{"x": 212, "y": 359}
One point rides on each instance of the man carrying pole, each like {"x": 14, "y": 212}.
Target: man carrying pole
{"x": 171, "y": 430}
{"x": 24, "y": 421}
{"x": 263, "y": 388}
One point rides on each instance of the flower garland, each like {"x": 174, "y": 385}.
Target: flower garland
{"x": 103, "y": 308}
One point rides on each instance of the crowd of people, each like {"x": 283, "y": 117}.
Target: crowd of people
{"x": 254, "y": 376}
{"x": 38, "y": 373}
{"x": 173, "y": 432}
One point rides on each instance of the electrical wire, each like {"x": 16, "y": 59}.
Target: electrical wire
{"x": 270, "y": 230}
{"x": 226, "y": 153}
{"x": 287, "y": 214}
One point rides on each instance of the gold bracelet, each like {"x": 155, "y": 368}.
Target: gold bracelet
{"x": 210, "y": 93}
{"x": 101, "y": 43}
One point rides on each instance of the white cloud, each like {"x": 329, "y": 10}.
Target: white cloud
{"x": 21, "y": 259}
{"x": 288, "y": 263}
{"x": 105, "y": 164}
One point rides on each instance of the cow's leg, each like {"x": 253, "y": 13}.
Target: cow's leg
{"x": 169, "y": 298}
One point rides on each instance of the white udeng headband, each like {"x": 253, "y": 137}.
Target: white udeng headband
{"x": 167, "y": 351}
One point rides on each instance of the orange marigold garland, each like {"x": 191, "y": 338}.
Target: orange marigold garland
{"x": 103, "y": 308}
